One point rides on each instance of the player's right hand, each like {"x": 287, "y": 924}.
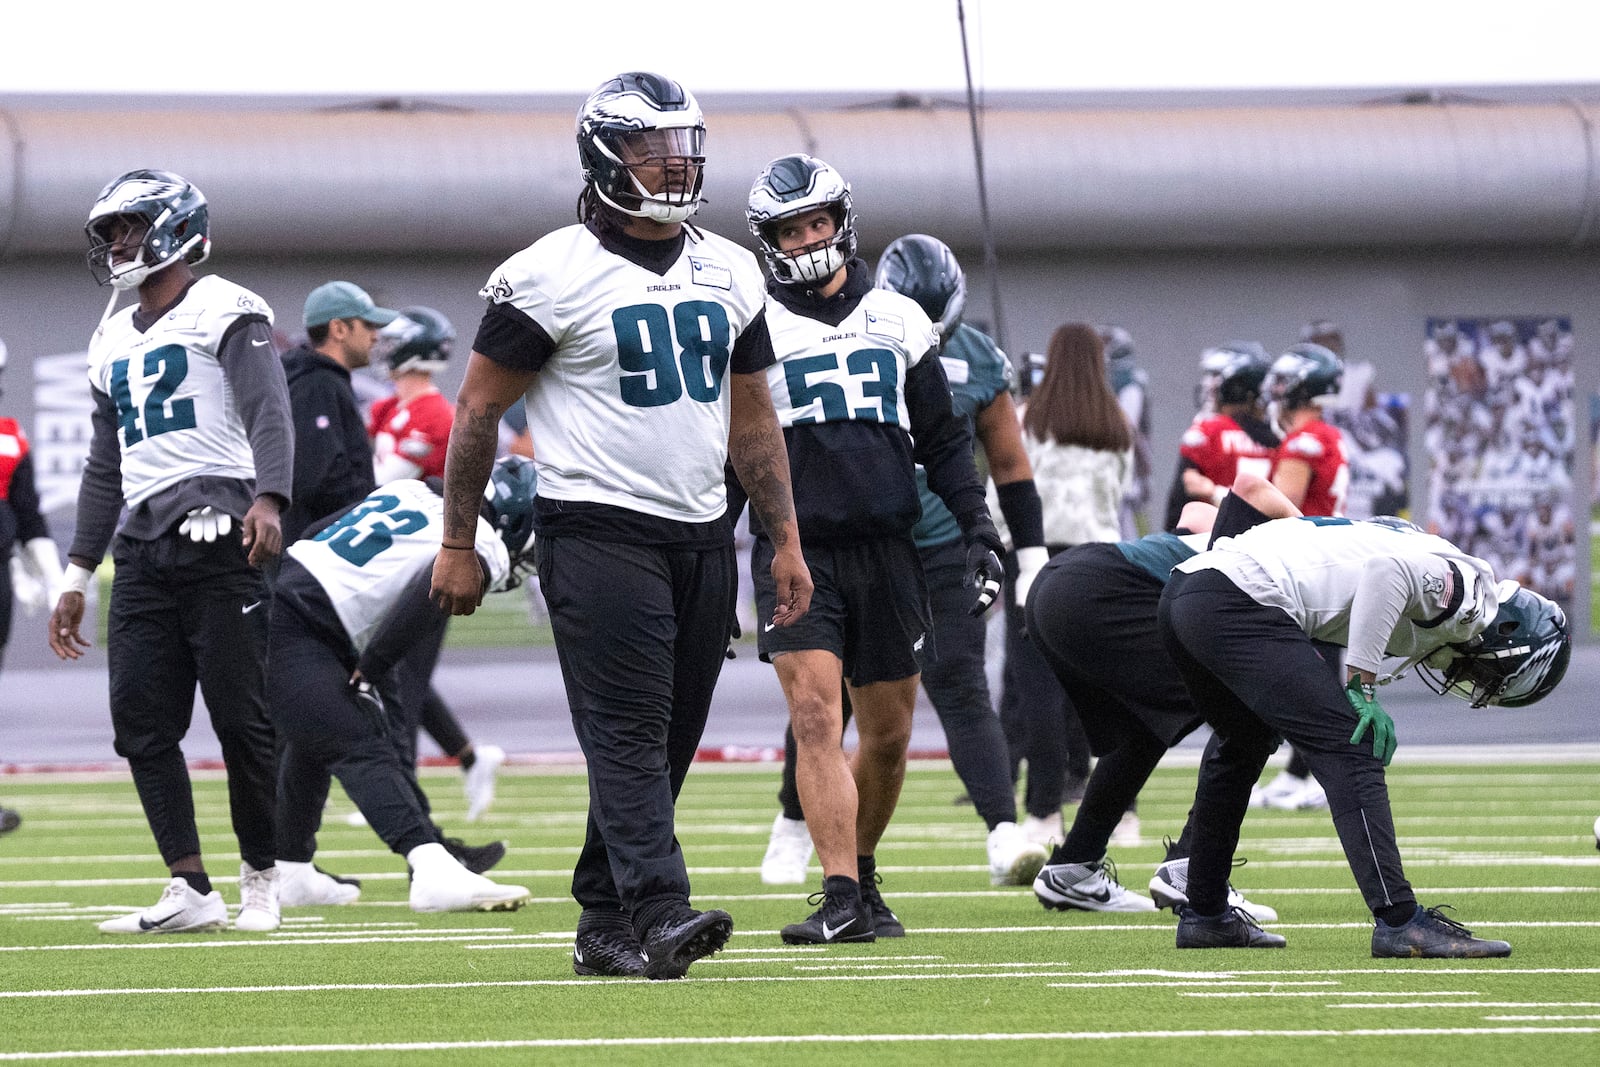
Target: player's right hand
{"x": 65, "y": 640}
{"x": 458, "y": 581}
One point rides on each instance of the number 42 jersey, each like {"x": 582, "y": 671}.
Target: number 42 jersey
{"x": 176, "y": 415}
{"x": 366, "y": 558}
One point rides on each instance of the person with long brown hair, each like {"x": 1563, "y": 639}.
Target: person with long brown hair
{"x": 1081, "y": 447}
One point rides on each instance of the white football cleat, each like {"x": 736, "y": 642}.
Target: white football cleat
{"x": 301, "y": 885}
{"x": 1289, "y": 792}
{"x": 440, "y": 883}
{"x": 788, "y": 852}
{"x": 179, "y": 911}
{"x": 1170, "y": 889}
{"x": 478, "y": 783}
{"x": 258, "y": 900}
{"x": 1086, "y": 887}
{"x": 1013, "y": 859}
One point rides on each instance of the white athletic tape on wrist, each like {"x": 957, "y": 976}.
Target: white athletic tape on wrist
{"x": 76, "y": 579}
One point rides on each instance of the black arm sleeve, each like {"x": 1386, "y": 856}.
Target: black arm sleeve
{"x": 942, "y": 443}
{"x": 100, "y": 490}
{"x": 1019, "y": 503}
{"x": 25, "y": 502}
{"x": 255, "y": 375}
{"x": 413, "y": 617}
{"x": 509, "y": 337}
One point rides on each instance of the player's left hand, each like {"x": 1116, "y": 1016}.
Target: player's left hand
{"x": 984, "y": 575}
{"x": 263, "y": 531}
{"x": 458, "y": 581}
{"x": 29, "y": 591}
{"x": 1372, "y": 717}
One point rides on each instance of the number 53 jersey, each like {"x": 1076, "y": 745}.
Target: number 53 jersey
{"x": 629, "y": 408}
{"x": 176, "y": 415}
{"x": 840, "y": 390}
{"x": 365, "y": 559}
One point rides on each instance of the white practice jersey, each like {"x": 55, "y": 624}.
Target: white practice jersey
{"x": 176, "y": 415}
{"x": 855, "y": 370}
{"x": 365, "y": 560}
{"x": 631, "y": 410}
{"x": 1373, "y": 586}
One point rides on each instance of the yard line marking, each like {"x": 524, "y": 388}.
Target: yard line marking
{"x": 785, "y": 1039}
{"x": 1480, "y": 1004}
{"x": 1536, "y": 1018}
{"x": 1179, "y": 985}
{"x": 1353, "y": 993}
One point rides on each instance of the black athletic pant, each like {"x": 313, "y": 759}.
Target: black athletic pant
{"x": 324, "y": 731}
{"x": 1040, "y": 724}
{"x": 183, "y": 612}
{"x": 1257, "y": 678}
{"x": 957, "y": 687}
{"x": 640, "y": 632}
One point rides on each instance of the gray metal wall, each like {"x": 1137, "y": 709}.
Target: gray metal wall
{"x": 1188, "y": 226}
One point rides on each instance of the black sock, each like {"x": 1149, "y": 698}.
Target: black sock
{"x": 866, "y": 868}
{"x": 468, "y": 758}
{"x": 841, "y": 885}
{"x": 1397, "y": 914}
{"x": 199, "y": 881}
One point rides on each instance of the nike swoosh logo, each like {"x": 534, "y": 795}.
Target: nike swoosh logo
{"x": 248, "y": 608}
{"x": 577, "y": 954}
{"x": 258, "y": 344}
{"x": 146, "y": 924}
{"x": 1104, "y": 896}
{"x": 829, "y": 933}
{"x": 768, "y": 628}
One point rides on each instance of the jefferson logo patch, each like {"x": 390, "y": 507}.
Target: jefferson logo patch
{"x": 708, "y": 272}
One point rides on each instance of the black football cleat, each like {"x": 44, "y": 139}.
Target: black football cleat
{"x": 612, "y": 952}
{"x": 673, "y": 944}
{"x": 1234, "y": 928}
{"x": 885, "y": 923}
{"x": 1430, "y": 935}
{"x": 475, "y": 858}
{"x": 9, "y": 820}
{"x": 840, "y": 919}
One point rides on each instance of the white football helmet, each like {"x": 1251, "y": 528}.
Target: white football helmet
{"x": 794, "y": 185}
{"x": 639, "y": 119}
{"x": 173, "y": 214}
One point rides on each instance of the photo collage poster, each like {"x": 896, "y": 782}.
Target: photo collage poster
{"x": 1501, "y": 437}
{"x": 1376, "y": 428}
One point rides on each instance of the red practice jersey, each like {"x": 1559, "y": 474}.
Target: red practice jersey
{"x": 1219, "y": 449}
{"x": 409, "y": 441}
{"x": 13, "y": 447}
{"x": 1322, "y": 446}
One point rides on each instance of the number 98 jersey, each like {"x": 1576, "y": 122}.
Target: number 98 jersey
{"x": 630, "y": 408}
{"x": 366, "y": 558}
{"x": 176, "y": 415}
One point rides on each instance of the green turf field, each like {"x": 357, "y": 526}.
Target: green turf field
{"x": 985, "y": 975}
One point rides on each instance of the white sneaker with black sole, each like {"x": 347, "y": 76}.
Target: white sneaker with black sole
{"x": 788, "y": 852}
{"x": 1086, "y": 887}
{"x": 1013, "y": 859}
{"x": 180, "y": 910}
{"x": 258, "y": 900}
{"x": 301, "y": 885}
{"x": 478, "y": 783}
{"x": 439, "y": 883}
{"x": 1170, "y": 889}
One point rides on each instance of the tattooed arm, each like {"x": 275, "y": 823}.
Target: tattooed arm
{"x": 761, "y": 460}
{"x": 488, "y": 389}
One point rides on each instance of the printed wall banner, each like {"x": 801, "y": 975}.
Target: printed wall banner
{"x": 1501, "y": 434}
{"x": 1377, "y": 431}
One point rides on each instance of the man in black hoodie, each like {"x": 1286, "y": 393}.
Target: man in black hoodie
{"x": 333, "y": 455}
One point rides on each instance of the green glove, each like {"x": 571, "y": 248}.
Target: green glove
{"x": 1372, "y": 717}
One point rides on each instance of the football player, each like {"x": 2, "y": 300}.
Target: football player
{"x": 34, "y": 571}
{"x": 192, "y": 432}
{"x": 1236, "y": 439}
{"x": 639, "y": 344}
{"x": 351, "y": 603}
{"x": 863, "y": 398}
{"x": 980, "y": 376}
{"x": 1239, "y": 620}
{"x": 410, "y": 430}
